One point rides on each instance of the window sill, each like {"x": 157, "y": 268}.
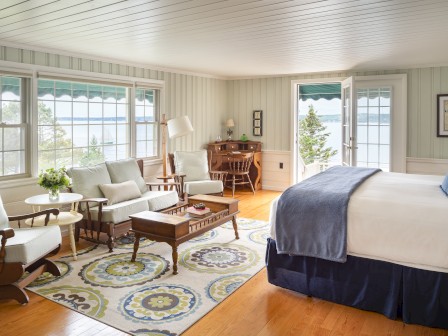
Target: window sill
{"x": 152, "y": 162}
{"x": 20, "y": 182}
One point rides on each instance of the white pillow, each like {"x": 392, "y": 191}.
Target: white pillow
{"x": 85, "y": 180}
{"x": 193, "y": 164}
{"x": 125, "y": 170}
{"x": 119, "y": 192}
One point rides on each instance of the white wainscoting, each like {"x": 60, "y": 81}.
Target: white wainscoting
{"x": 426, "y": 166}
{"x": 278, "y": 179}
{"x": 274, "y": 177}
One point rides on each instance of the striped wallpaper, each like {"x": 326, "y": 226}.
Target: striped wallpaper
{"x": 273, "y": 96}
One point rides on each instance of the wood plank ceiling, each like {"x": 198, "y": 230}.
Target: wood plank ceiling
{"x": 235, "y": 38}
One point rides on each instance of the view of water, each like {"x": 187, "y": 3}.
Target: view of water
{"x": 335, "y": 140}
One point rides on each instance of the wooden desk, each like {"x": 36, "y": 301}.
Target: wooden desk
{"x": 219, "y": 151}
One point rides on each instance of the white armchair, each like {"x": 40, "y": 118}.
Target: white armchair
{"x": 192, "y": 171}
{"x": 25, "y": 250}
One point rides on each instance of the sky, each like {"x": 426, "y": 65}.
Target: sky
{"x": 322, "y": 106}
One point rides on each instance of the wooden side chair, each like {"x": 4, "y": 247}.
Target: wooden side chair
{"x": 239, "y": 165}
{"x": 24, "y": 250}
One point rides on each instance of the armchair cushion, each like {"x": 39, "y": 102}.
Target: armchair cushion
{"x": 203, "y": 187}
{"x": 4, "y": 221}
{"x": 30, "y": 244}
{"x": 125, "y": 170}
{"x": 119, "y": 192}
{"x": 85, "y": 180}
{"x": 193, "y": 164}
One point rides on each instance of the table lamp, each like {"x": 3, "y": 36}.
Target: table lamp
{"x": 177, "y": 127}
{"x": 230, "y": 124}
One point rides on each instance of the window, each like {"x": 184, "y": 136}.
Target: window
{"x": 13, "y": 137}
{"x": 81, "y": 124}
{"x": 373, "y": 127}
{"x": 146, "y": 122}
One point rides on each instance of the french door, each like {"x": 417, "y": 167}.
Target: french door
{"x": 348, "y": 154}
{"x": 374, "y": 122}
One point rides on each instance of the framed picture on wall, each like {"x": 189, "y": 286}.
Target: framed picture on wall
{"x": 258, "y": 123}
{"x": 258, "y": 114}
{"x": 442, "y": 115}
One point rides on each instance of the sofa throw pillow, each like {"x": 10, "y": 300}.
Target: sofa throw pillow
{"x": 85, "y": 180}
{"x": 126, "y": 170}
{"x": 193, "y": 164}
{"x": 444, "y": 185}
{"x": 119, "y": 192}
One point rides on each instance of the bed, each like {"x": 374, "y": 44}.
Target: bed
{"x": 397, "y": 252}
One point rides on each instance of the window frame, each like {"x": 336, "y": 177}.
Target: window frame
{"x": 89, "y": 103}
{"x": 25, "y": 107}
{"x": 156, "y": 122}
{"x": 32, "y": 72}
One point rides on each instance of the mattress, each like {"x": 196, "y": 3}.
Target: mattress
{"x": 398, "y": 218}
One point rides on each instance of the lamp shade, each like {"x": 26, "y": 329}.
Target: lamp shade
{"x": 230, "y": 123}
{"x": 179, "y": 126}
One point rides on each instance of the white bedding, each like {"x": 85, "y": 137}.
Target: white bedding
{"x": 399, "y": 218}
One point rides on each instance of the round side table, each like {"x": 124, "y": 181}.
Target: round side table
{"x": 64, "y": 218}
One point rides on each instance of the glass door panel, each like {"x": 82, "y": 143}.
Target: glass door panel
{"x": 373, "y": 127}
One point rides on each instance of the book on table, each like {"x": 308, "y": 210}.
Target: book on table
{"x": 197, "y": 212}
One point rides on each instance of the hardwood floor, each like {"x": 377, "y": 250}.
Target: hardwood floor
{"x": 257, "y": 308}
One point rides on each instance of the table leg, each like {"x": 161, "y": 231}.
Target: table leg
{"x": 136, "y": 245}
{"x": 235, "y": 227}
{"x": 72, "y": 241}
{"x": 175, "y": 256}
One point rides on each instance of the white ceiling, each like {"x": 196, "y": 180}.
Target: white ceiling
{"x": 235, "y": 38}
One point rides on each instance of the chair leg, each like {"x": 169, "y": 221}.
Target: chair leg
{"x": 77, "y": 232}
{"x": 14, "y": 292}
{"x": 111, "y": 237}
{"x": 233, "y": 186}
{"x": 251, "y": 186}
{"x": 52, "y": 268}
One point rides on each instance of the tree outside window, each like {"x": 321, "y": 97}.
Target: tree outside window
{"x": 313, "y": 139}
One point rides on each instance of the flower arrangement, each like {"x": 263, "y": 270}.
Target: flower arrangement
{"x": 52, "y": 180}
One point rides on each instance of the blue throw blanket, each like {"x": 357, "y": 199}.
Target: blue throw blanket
{"x": 311, "y": 218}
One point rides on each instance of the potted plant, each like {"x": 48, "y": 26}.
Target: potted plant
{"x": 53, "y": 180}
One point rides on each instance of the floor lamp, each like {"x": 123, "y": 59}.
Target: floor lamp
{"x": 175, "y": 128}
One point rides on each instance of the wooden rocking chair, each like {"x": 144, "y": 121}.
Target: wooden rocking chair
{"x": 24, "y": 250}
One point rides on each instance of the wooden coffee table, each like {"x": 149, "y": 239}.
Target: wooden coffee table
{"x": 177, "y": 226}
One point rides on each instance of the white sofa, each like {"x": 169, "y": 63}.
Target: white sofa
{"x": 112, "y": 191}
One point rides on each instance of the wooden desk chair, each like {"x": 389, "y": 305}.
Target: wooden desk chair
{"x": 239, "y": 165}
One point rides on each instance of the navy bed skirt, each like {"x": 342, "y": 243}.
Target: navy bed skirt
{"x": 416, "y": 296}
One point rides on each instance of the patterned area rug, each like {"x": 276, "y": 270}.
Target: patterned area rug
{"x": 144, "y": 297}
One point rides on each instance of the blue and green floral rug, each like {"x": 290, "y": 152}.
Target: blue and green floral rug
{"x": 144, "y": 297}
